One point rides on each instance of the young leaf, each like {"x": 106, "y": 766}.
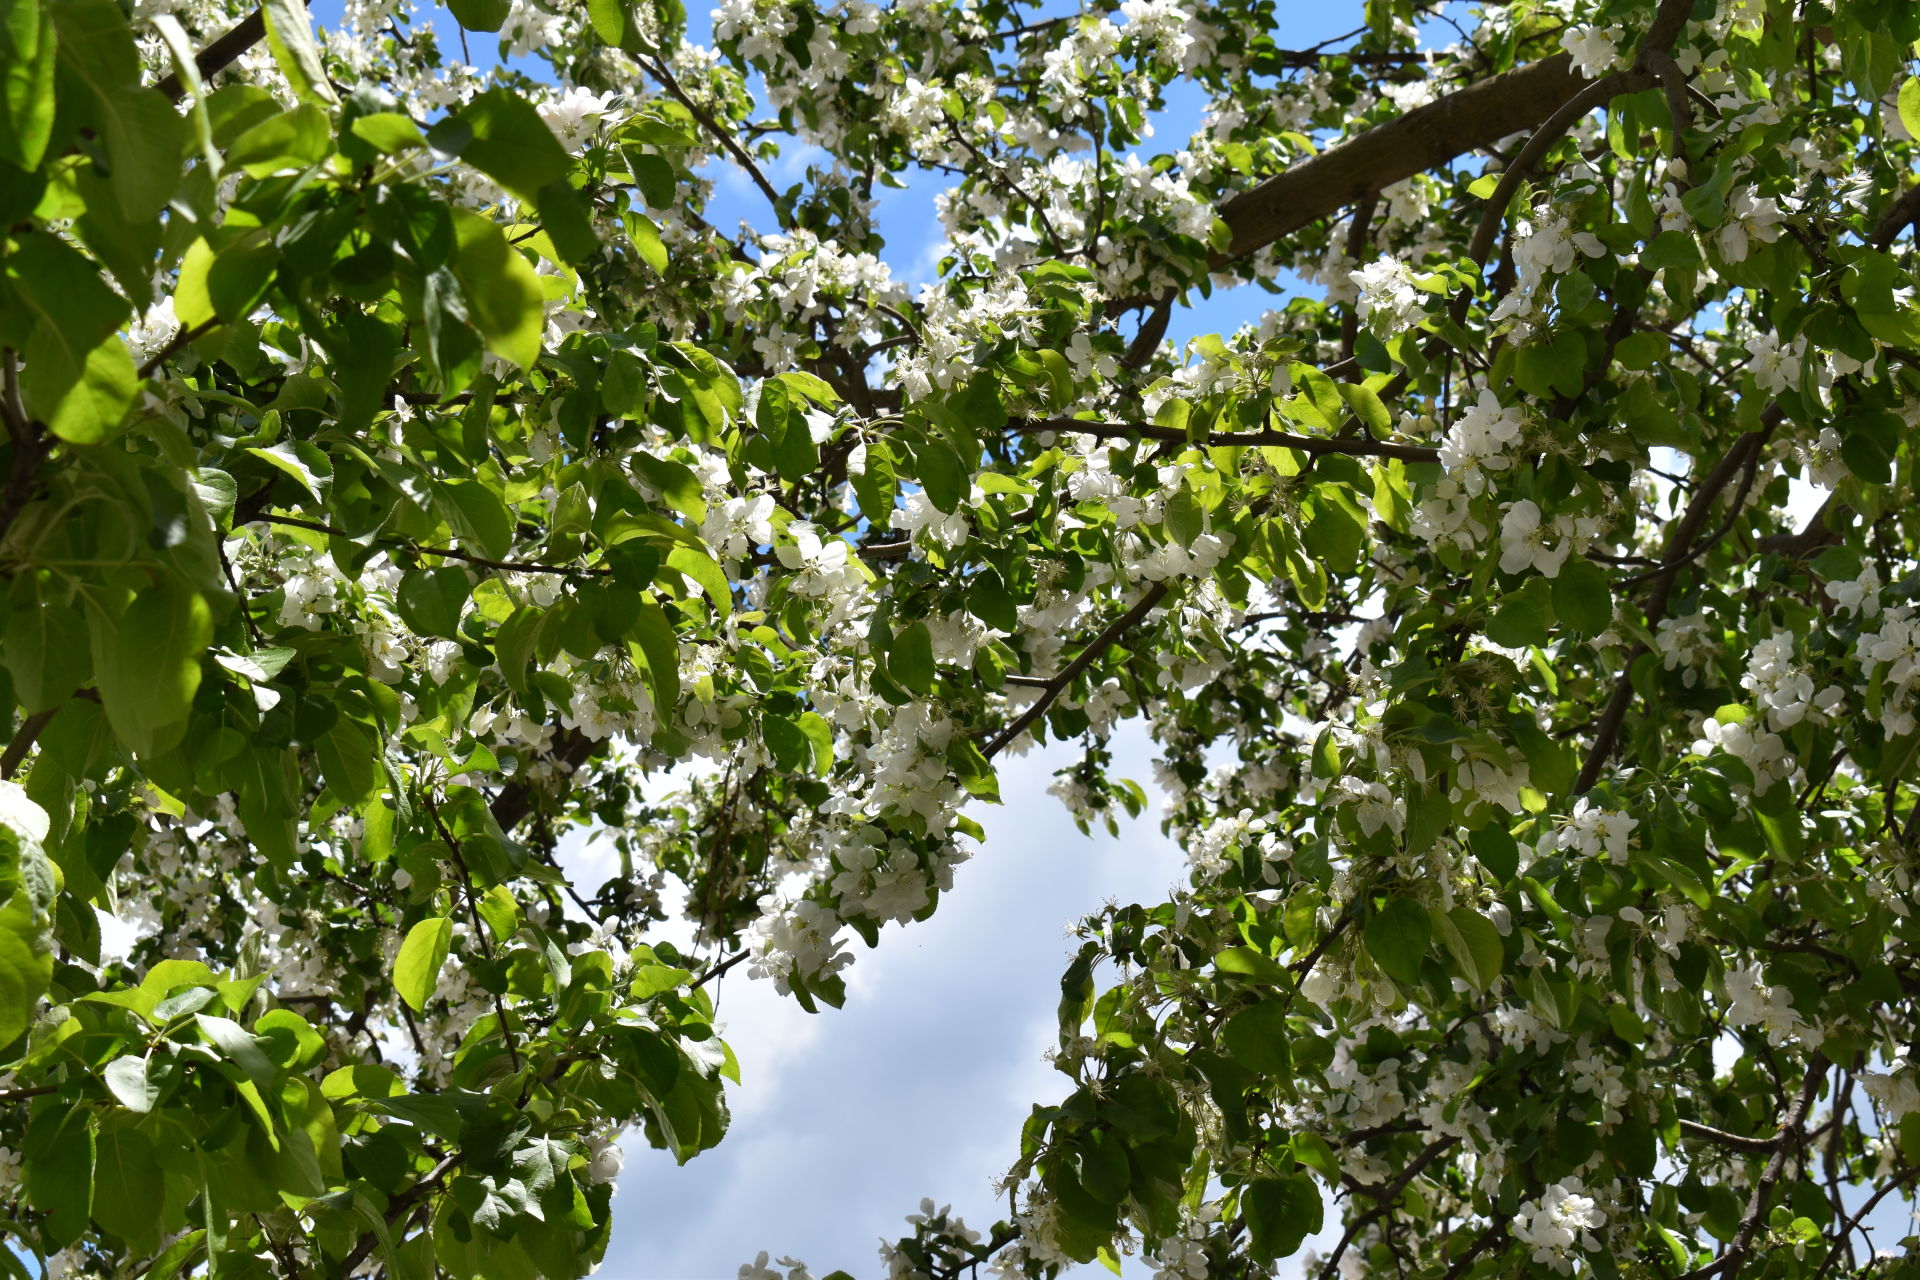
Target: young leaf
{"x": 500, "y": 134}
{"x": 1397, "y": 938}
{"x": 290, "y": 37}
{"x": 26, "y": 81}
{"x": 146, "y": 663}
{"x": 127, "y": 1079}
{"x": 417, "y": 970}
{"x": 1583, "y": 597}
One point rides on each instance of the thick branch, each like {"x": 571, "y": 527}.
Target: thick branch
{"x": 516, "y": 800}
{"x": 1466, "y": 120}
{"x": 219, "y": 55}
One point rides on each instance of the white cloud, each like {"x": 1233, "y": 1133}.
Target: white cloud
{"x": 918, "y": 1087}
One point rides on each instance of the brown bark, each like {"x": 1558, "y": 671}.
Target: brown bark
{"x": 1467, "y": 119}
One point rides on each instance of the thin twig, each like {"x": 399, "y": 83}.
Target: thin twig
{"x": 180, "y": 338}
{"x": 1384, "y": 1204}
{"x": 23, "y": 740}
{"x": 1756, "y": 1146}
{"x": 717, "y": 969}
{"x": 1311, "y": 445}
{"x": 712, "y": 126}
{"x": 480, "y": 930}
{"x": 1084, "y": 659}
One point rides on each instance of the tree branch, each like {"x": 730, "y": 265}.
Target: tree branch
{"x": 1084, "y": 659}
{"x": 1466, "y": 120}
{"x": 1744, "y": 452}
{"x": 1311, "y": 445}
{"x": 23, "y": 740}
{"x": 1720, "y": 1137}
{"x": 1384, "y": 1204}
{"x": 1569, "y": 113}
{"x": 1852, "y": 1224}
{"x": 1792, "y": 1134}
{"x": 480, "y": 931}
{"x": 723, "y": 136}
{"x": 29, "y": 445}
{"x": 219, "y": 55}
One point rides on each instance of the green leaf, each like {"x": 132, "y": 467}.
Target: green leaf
{"x": 1397, "y": 938}
{"x": 784, "y": 425}
{"x": 26, "y": 963}
{"x": 1550, "y": 765}
{"x": 294, "y": 140}
{"x": 480, "y": 15}
{"x": 1524, "y": 617}
{"x": 820, "y": 734}
{"x": 1249, "y": 963}
{"x": 480, "y": 517}
{"x": 645, "y": 236}
{"x": 499, "y": 909}
{"x": 431, "y": 600}
{"x": 609, "y": 19}
{"x": 350, "y": 761}
{"x": 146, "y": 663}
{"x": 1583, "y": 597}
{"x": 128, "y": 1186}
{"x": 388, "y": 132}
{"x": 503, "y": 294}
{"x": 1497, "y": 851}
{"x": 1281, "y": 1213}
{"x": 127, "y": 1079}
{"x": 660, "y": 656}
{"x": 1473, "y": 942}
{"x": 500, "y": 134}
{"x": 176, "y": 1257}
{"x": 302, "y": 460}
{"x": 87, "y": 404}
{"x": 1257, "y": 1038}
{"x": 673, "y": 481}
{"x": 227, "y": 283}
{"x": 1626, "y": 1024}
{"x": 27, "y": 44}
{"x": 290, "y": 37}
{"x": 910, "y": 659}
{"x": 706, "y": 575}
{"x": 143, "y": 135}
{"x": 568, "y": 221}
{"x": 1366, "y": 406}
{"x": 943, "y": 474}
{"x": 1184, "y": 519}
{"x": 58, "y": 1167}
{"x": 240, "y": 1047}
{"x": 417, "y": 970}
{"x": 1909, "y": 104}
{"x": 79, "y": 378}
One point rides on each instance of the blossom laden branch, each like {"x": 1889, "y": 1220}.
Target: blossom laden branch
{"x": 1359, "y": 447}
{"x": 1087, "y": 656}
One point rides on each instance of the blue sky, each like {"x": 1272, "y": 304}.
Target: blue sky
{"x": 918, "y": 1086}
